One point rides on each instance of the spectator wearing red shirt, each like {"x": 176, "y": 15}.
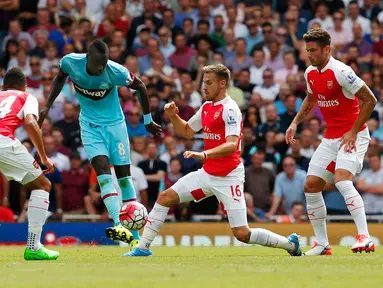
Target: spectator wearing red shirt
{"x": 75, "y": 183}
{"x": 181, "y": 57}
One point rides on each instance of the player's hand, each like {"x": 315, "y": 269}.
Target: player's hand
{"x": 171, "y": 109}
{"x": 154, "y": 128}
{"x": 43, "y": 114}
{"x": 349, "y": 142}
{"x": 289, "y": 137}
{"x": 195, "y": 155}
{"x": 51, "y": 167}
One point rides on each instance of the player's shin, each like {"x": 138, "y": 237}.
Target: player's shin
{"x": 110, "y": 197}
{"x": 269, "y": 239}
{"x": 155, "y": 220}
{"x": 316, "y": 211}
{"x": 128, "y": 194}
{"x": 37, "y": 213}
{"x": 355, "y": 205}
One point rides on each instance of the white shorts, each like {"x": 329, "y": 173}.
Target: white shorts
{"x": 16, "y": 163}
{"x": 199, "y": 185}
{"x": 327, "y": 158}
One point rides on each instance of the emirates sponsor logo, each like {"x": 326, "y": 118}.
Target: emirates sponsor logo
{"x": 323, "y": 102}
{"x": 211, "y": 136}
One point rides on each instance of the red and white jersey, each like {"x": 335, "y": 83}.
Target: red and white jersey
{"x": 14, "y": 106}
{"x": 335, "y": 87}
{"x": 218, "y": 121}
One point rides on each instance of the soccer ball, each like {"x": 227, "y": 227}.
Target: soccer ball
{"x": 133, "y": 215}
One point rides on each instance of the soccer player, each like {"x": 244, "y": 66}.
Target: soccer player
{"x": 346, "y": 104}
{"x": 103, "y": 129}
{"x": 16, "y": 107}
{"x": 222, "y": 174}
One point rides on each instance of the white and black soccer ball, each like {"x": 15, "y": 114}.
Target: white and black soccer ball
{"x": 133, "y": 215}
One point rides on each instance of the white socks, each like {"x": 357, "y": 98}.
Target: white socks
{"x": 156, "y": 218}
{"x": 37, "y": 213}
{"x": 267, "y": 238}
{"x": 355, "y": 205}
{"x": 316, "y": 210}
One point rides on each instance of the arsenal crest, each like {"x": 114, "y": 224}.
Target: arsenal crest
{"x": 216, "y": 115}
{"x": 329, "y": 84}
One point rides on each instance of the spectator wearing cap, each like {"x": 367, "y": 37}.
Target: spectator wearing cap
{"x": 75, "y": 183}
{"x": 17, "y": 34}
{"x": 139, "y": 47}
{"x": 180, "y": 59}
{"x": 355, "y": 17}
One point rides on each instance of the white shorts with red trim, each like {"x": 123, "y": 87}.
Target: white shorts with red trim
{"x": 16, "y": 163}
{"x": 199, "y": 185}
{"x": 328, "y": 158}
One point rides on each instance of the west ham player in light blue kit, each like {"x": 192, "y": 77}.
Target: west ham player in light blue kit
{"x": 103, "y": 129}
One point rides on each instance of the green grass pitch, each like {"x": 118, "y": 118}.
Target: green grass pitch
{"x": 200, "y": 267}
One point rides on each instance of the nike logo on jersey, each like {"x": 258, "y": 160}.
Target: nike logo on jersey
{"x": 94, "y": 94}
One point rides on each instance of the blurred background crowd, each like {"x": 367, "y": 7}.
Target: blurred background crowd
{"x": 166, "y": 44}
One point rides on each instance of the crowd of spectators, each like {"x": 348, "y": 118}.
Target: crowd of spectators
{"x": 166, "y": 44}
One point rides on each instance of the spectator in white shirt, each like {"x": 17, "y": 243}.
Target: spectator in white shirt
{"x": 322, "y": 17}
{"x": 240, "y": 30}
{"x": 355, "y": 17}
{"x": 290, "y": 68}
{"x": 269, "y": 90}
{"x": 256, "y": 70}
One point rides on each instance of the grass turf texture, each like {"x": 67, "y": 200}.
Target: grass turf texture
{"x": 191, "y": 267}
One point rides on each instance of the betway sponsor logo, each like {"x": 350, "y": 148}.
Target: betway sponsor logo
{"x": 94, "y": 94}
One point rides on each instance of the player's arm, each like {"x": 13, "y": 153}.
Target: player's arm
{"x": 57, "y": 85}
{"x": 183, "y": 128}
{"x": 143, "y": 97}
{"x": 367, "y": 102}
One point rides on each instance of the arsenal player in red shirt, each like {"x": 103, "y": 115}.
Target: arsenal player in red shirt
{"x": 346, "y": 104}
{"x": 222, "y": 174}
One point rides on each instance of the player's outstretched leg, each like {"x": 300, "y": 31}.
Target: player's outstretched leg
{"x": 156, "y": 219}
{"x": 128, "y": 194}
{"x": 111, "y": 200}
{"x": 316, "y": 210}
{"x": 355, "y": 205}
{"x": 37, "y": 213}
{"x": 267, "y": 238}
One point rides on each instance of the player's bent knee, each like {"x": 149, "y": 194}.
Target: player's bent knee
{"x": 46, "y": 185}
{"x": 242, "y": 234}
{"x": 342, "y": 175}
{"x": 314, "y": 184}
{"x": 168, "y": 198}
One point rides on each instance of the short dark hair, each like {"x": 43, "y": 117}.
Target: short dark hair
{"x": 318, "y": 35}
{"x": 266, "y": 24}
{"x": 14, "y": 78}
{"x": 295, "y": 203}
{"x": 203, "y": 22}
{"x": 100, "y": 46}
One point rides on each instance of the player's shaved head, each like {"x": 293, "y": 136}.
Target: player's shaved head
{"x": 14, "y": 79}
{"x": 97, "y": 57}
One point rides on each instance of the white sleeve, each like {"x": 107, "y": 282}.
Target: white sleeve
{"x": 31, "y": 106}
{"x": 142, "y": 182}
{"x": 233, "y": 120}
{"x": 350, "y": 82}
{"x": 195, "y": 122}
{"x": 307, "y": 82}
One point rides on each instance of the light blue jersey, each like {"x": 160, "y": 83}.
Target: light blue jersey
{"x": 97, "y": 95}
{"x": 102, "y": 122}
